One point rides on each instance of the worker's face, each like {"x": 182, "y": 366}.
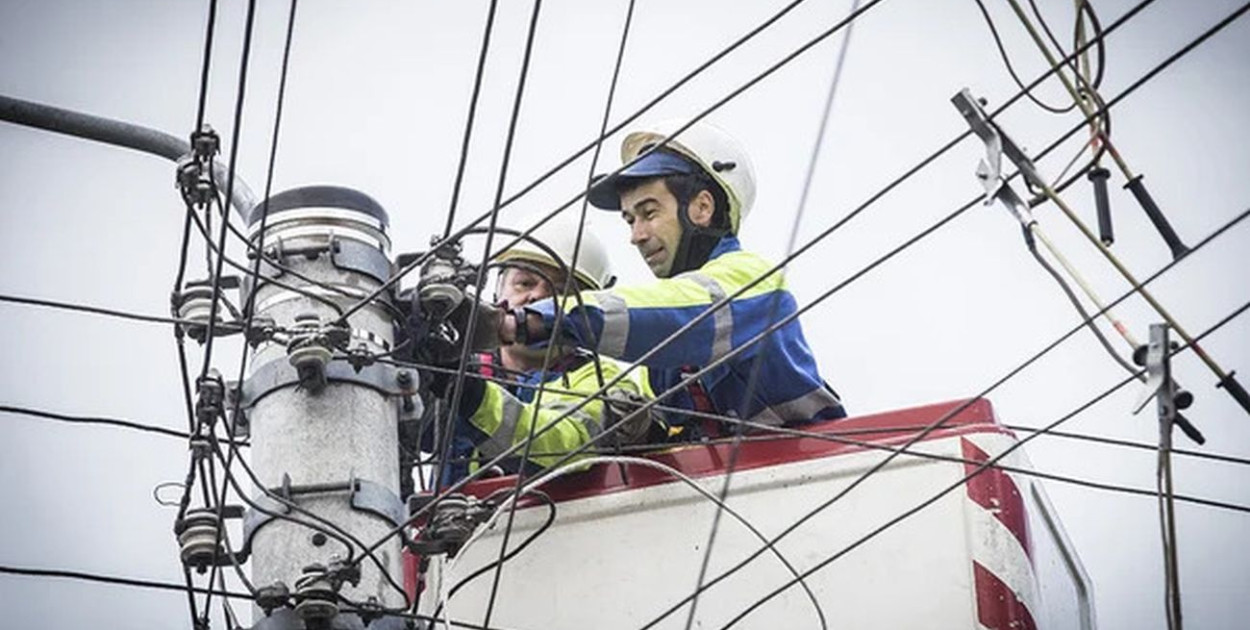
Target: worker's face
{"x": 519, "y": 287}
{"x": 651, "y": 212}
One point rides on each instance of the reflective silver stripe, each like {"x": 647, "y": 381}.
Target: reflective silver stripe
{"x": 588, "y": 421}
{"x": 722, "y": 318}
{"x": 501, "y": 439}
{"x": 615, "y": 324}
{"x": 804, "y": 407}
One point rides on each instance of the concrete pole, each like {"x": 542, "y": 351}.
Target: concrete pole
{"x": 332, "y": 447}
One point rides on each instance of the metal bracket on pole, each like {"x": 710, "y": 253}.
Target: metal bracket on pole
{"x": 274, "y": 375}
{"x": 364, "y": 496}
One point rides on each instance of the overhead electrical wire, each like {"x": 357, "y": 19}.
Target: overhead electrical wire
{"x": 235, "y": 132}
{"x": 508, "y": 452}
{"x": 733, "y": 94}
{"x": 994, "y": 459}
{"x": 928, "y": 429}
{"x": 775, "y": 302}
{"x": 108, "y": 312}
{"x": 559, "y": 471}
{"x": 126, "y": 424}
{"x": 249, "y": 308}
{"x": 470, "y": 117}
{"x": 775, "y": 433}
{"x": 457, "y": 388}
{"x": 115, "y": 580}
{"x": 569, "y": 287}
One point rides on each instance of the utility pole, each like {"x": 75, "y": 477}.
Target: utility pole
{"x": 324, "y": 421}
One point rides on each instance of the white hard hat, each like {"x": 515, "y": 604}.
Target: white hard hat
{"x": 710, "y": 148}
{"x": 560, "y": 234}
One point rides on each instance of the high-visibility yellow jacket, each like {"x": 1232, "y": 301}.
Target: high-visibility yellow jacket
{"x": 627, "y": 322}
{"x": 495, "y": 417}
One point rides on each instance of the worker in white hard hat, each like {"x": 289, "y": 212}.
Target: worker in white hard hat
{"x": 495, "y": 416}
{"x": 685, "y": 200}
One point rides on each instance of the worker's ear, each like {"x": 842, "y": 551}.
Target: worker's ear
{"x": 701, "y": 208}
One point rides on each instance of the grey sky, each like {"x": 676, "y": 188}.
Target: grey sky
{"x": 376, "y": 101}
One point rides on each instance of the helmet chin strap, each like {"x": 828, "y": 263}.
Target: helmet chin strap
{"x": 696, "y": 244}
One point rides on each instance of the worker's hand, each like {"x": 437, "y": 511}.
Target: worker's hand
{"x": 483, "y": 333}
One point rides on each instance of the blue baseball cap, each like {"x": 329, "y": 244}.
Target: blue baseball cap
{"x": 603, "y": 192}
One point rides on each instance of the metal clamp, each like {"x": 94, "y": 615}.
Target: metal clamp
{"x": 363, "y": 496}
{"x": 279, "y": 374}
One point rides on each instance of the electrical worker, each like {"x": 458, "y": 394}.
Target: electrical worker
{"x": 495, "y": 417}
{"x": 685, "y": 202}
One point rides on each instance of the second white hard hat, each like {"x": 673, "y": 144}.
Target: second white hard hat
{"x": 560, "y": 234}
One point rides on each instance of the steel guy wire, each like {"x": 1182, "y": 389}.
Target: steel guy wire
{"x": 472, "y": 115}
{"x": 775, "y": 303}
{"x": 897, "y": 181}
{"x": 994, "y": 459}
{"x": 570, "y": 286}
{"x": 786, "y": 60}
{"x": 939, "y": 422}
{"x": 480, "y": 282}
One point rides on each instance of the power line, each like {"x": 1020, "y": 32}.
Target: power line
{"x": 733, "y": 94}
{"x": 117, "y": 581}
{"x": 938, "y": 423}
{"x": 981, "y": 468}
{"x": 806, "y": 247}
{"x": 97, "y": 420}
{"x": 775, "y": 304}
{"x": 108, "y": 312}
{"x": 472, "y": 115}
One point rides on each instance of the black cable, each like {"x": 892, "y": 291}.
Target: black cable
{"x": 570, "y": 287}
{"x": 1080, "y": 308}
{"x": 775, "y": 303}
{"x": 804, "y": 48}
{"x": 993, "y": 460}
{"x": 126, "y": 424}
{"x": 551, "y": 518}
{"x": 1109, "y": 441}
{"x": 98, "y": 310}
{"x": 233, "y": 163}
{"x": 896, "y": 182}
{"x": 940, "y": 422}
{"x": 481, "y": 281}
{"x": 472, "y": 115}
{"x": 116, "y": 580}
{"x": 1002, "y": 52}
{"x": 207, "y": 63}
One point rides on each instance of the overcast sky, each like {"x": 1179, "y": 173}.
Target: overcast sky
{"x": 376, "y": 101}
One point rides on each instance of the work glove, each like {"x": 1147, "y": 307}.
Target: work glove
{"x": 483, "y": 332}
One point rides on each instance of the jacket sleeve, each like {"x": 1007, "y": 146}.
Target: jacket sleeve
{"x": 627, "y": 322}
{"x": 502, "y": 420}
